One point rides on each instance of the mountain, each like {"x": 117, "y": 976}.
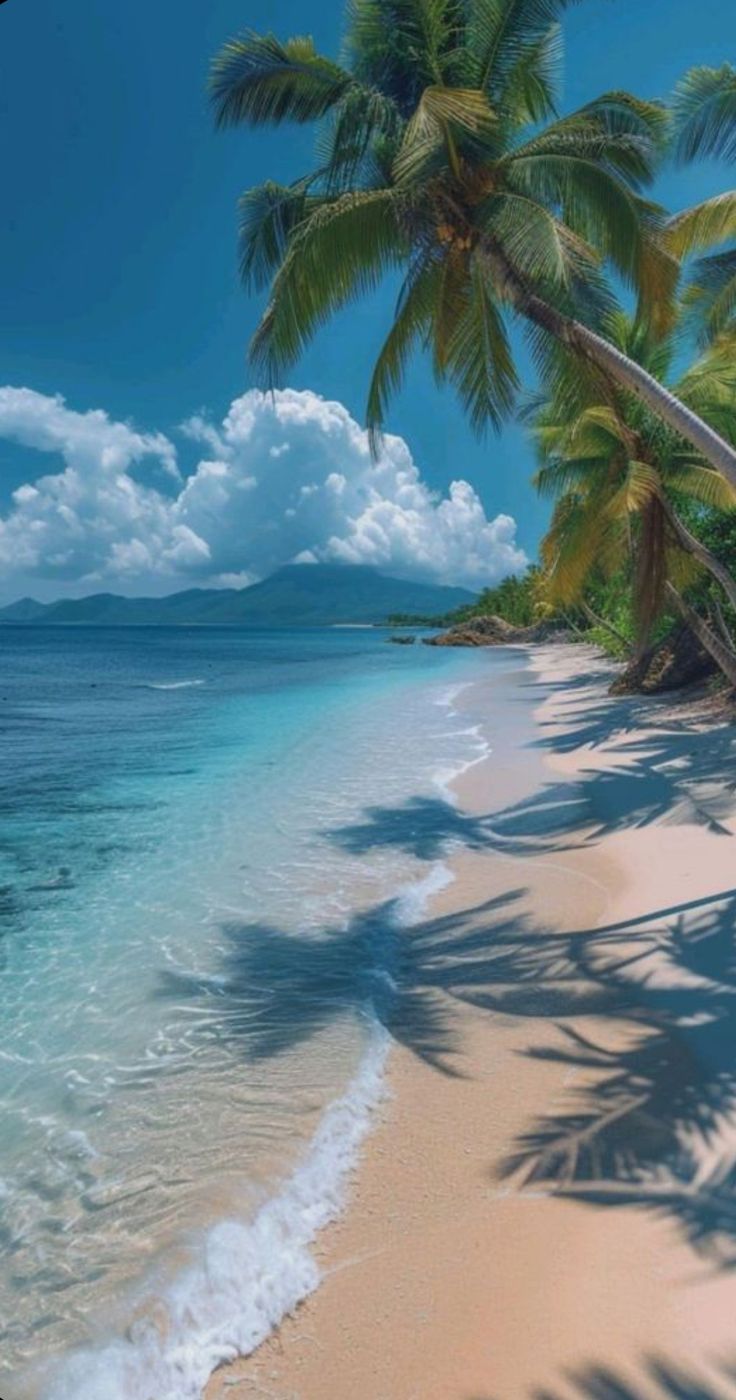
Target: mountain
{"x": 25, "y": 610}
{"x": 300, "y": 595}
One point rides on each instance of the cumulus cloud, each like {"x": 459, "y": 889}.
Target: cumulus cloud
{"x": 283, "y": 478}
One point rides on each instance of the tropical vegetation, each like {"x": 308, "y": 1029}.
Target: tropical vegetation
{"x": 442, "y": 157}
{"x": 628, "y": 489}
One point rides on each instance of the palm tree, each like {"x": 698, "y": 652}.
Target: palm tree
{"x": 441, "y": 155}
{"x": 704, "y": 110}
{"x": 620, "y": 478}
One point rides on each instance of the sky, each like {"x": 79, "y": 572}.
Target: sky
{"x": 135, "y": 453}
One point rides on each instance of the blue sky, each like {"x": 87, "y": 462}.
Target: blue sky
{"x": 117, "y": 237}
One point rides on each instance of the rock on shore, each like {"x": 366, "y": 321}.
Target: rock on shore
{"x": 492, "y": 631}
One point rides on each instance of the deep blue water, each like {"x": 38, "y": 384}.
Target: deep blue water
{"x": 181, "y": 992}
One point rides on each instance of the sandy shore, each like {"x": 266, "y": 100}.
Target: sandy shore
{"x": 547, "y": 1209}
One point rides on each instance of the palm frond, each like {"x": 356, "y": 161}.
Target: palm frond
{"x": 477, "y": 357}
{"x": 595, "y": 204}
{"x": 657, "y": 283}
{"x": 415, "y": 312}
{"x": 542, "y": 249}
{"x": 360, "y": 139}
{"x": 444, "y": 118}
{"x": 641, "y": 484}
{"x": 703, "y": 226}
{"x": 581, "y": 539}
{"x": 702, "y": 484}
{"x": 598, "y": 428}
{"x": 683, "y": 570}
{"x": 527, "y": 94}
{"x": 269, "y": 214}
{"x": 621, "y": 112}
{"x": 704, "y": 108}
{"x": 404, "y": 46}
{"x": 342, "y": 250}
{"x": 565, "y": 475}
{"x": 257, "y": 79}
{"x": 619, "y": 130}
{"x": 708, "y": 387}
{"x": 452, "y": 297}
{"x": 500, "y": 31}
{"x": 710, "y": 298}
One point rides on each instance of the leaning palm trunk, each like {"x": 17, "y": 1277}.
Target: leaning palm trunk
{"x": 699, "y": 551}
{"x": 723, "y": 656}
{"x": 616, "y": 366}
{"x": 597, "y": 621}
{"x": 722, "y": 624}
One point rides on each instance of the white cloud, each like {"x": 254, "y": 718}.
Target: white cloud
{"x": 285, "y": 477}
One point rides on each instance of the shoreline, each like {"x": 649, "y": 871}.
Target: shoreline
{"x": 220, "y": 1291}
{"x": 423, "y": 1298}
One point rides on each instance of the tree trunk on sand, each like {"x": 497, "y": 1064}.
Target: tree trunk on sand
{"x": 617, "y": 367}
{"x": 723, "y": 656}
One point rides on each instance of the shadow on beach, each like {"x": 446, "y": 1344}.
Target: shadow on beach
{"x": 664, "y": 1381}
{"x": 670, "y": 773}
{"x": 644, "y": 1010}
{"x": 652, "y": 1122}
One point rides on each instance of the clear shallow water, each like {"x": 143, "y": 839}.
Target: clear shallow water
{"x": 194, "y": 959}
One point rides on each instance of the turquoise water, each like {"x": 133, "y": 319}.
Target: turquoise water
{"x": 180, "y": 1002}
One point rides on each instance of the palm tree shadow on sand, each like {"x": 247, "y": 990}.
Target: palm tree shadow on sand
{"x": 644, "y": 1010}
{"x": 672, "y": 774}
{"x": 663, "y": 1380}
{"x": 652, "y": 1121}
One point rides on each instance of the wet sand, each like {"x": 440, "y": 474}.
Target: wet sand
{"x": 547, "y": 1207}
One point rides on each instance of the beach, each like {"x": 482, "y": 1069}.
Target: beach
{"x": 546, "y": 1208}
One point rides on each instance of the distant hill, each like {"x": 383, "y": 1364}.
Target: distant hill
{"x": 25, "y": 610}
{"x": 300, "y": 595}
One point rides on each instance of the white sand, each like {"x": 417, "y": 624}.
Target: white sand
{"x": 608, "y": 1255}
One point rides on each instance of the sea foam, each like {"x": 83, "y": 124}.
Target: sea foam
{"x": 171, "y": 685}
{"x": 247, "y": 1277}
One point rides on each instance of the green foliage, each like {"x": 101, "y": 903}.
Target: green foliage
{"x": 704, "y": 111}
{"x": 514, "y": 599}
{"x": 441, "y": 154}
{"x": 434, "y": 156}
{"x": 256, "y": 78}
{"x": 717, "y": 530}
{"x": 621, "y": 480}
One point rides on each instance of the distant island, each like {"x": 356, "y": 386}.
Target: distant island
{"x": 299, "y": 595}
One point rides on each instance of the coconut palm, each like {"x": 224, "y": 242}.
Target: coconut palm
{"x": 620, "y": 478}
{"x": 441, "y": 155}
{"x": 704, "y": 110}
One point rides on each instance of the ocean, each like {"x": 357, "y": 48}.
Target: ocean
{"x": 203, "y": 881}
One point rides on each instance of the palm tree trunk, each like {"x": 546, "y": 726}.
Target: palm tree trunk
{"x": 723, "y": 656}
{"x": 722, "y": 625}
{"x": 699, "y": 551}
{"x": 572, "y": 625}
{"x": 618, "y": 367}
{"x": 601, "y": 622}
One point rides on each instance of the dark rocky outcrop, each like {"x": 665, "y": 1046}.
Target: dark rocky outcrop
{"x": 402, "y": 641}
{"x": 492, "y": 631}
{"x": 678, "y": 660}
